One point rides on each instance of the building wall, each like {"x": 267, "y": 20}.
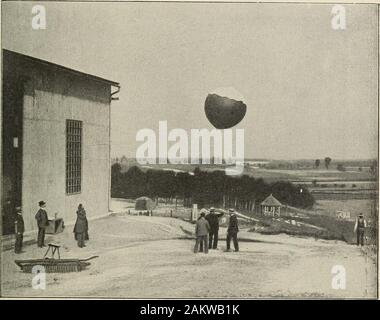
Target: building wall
{"x": 51, "y": 96}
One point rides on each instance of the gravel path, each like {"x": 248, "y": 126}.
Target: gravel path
{"x": 152, "y": 257}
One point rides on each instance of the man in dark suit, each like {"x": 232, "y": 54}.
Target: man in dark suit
{"x": 232, "y": 230}
{"x": 213, "y": 220}
{"x": 42, "y": 222}
{"x": 8, "y": 212}
{"x": 202, "y": 229}
{"x": 360, "y": 226}
{"x": 19, "y": 230}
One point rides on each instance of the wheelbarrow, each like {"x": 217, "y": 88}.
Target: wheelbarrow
{"x": 53, "y": 265}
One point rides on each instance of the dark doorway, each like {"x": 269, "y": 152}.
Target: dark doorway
{"x": 12, "y": 115}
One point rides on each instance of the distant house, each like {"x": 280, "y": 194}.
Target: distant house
{"x": 144, "y": 204}
{"x": 271, "y": 207}
{"x": 346, "y": 215}
{"x": 124, "y": 161}
{"x": 256, "y": 164}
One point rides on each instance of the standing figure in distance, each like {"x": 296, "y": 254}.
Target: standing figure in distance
{"x": 232, "y": 230}
{"x": 42, "y": 223}
{"x": 200, "y": 216}
{"x": 81, "y": 227}
{"x": 202, "y": 229}
{"x": 19, "y": 230}
{"x": 213, "y": 220}
{"x": 359, "y": 228}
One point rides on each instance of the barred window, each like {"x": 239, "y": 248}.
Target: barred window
{"x": 73, "y": 156}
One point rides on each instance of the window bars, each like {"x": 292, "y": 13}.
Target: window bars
{"x": 73, "y": 156}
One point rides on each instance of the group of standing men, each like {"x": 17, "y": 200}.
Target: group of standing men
{"x": 80, "y": 228}
{"x": 207, "y": 230}
{"x": 42, "y": 222}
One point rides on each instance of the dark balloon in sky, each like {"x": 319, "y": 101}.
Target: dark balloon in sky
{"x": 224, "y": 112}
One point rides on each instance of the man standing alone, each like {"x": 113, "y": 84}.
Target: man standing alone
{"x": 42, "y": 223}
{"x": 232, "y": 231}
{"x": 359, "y": 228}
{"x": 213, "y": 220}
{"x": 19, "y": 230}
{"x": 202, "y": 228}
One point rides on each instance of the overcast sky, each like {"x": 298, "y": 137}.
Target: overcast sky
{"x": 310, "y": 91}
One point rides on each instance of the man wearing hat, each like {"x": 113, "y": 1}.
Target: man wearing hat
{"x": 213, "y": 220}
{"x": 232, "y": 230}
{"x": 202, "y": 229}
{"x": 359, "y": 228}
{"x": 19, "y": 230}
{"x": 42, "y": 222}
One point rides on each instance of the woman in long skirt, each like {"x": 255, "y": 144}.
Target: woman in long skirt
{"x": 81, "y": 227}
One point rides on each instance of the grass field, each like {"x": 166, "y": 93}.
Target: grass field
{"x": 355, "y": 207}
{"x": 319, "y": 175}
{"x": 271, "y": 175}
{"x": 321, "y": 222}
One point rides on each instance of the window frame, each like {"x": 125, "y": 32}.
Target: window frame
{"x": 80, "y": 156}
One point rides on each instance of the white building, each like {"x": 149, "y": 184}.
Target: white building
{"x": 55, "y": 140}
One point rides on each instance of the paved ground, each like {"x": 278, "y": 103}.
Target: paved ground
{"x": 152, "y": 257}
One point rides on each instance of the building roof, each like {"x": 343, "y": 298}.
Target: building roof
{"x": 271, "y": 201}
{"x": 83, "y": 74}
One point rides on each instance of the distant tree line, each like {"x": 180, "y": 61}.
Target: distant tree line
{"x": 373, "y": 168}
{"x": 206, "y": 188}
{"x": 327, "y": 161}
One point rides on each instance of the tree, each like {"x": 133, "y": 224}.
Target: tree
{"x": 205, "y": 188}
{"x": 373, "y": 167}
{"x": 340, "y": 167}
{"x": 317, "y": 163}
{"x": 116, "y": 180}
{"x": 327, "y": 162}
{"x": 197, "y": 171}
{"x": 134, "y": 183}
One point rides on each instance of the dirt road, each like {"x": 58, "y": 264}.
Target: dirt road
{"x": 152, "y": 257}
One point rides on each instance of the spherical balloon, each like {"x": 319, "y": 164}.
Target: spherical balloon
{"x": 224, "y": 108}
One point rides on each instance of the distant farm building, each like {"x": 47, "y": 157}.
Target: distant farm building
{"x": 256, "y": 164}
{"x": 124, "y": 161}
{"x": 144, "y": 204}
{"x": 346, "y": 215}
{"x": 55, "y": 140}
{"x": 271, "y": 207}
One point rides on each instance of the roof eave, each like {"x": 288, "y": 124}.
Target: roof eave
{"x": 80, "y": 73}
